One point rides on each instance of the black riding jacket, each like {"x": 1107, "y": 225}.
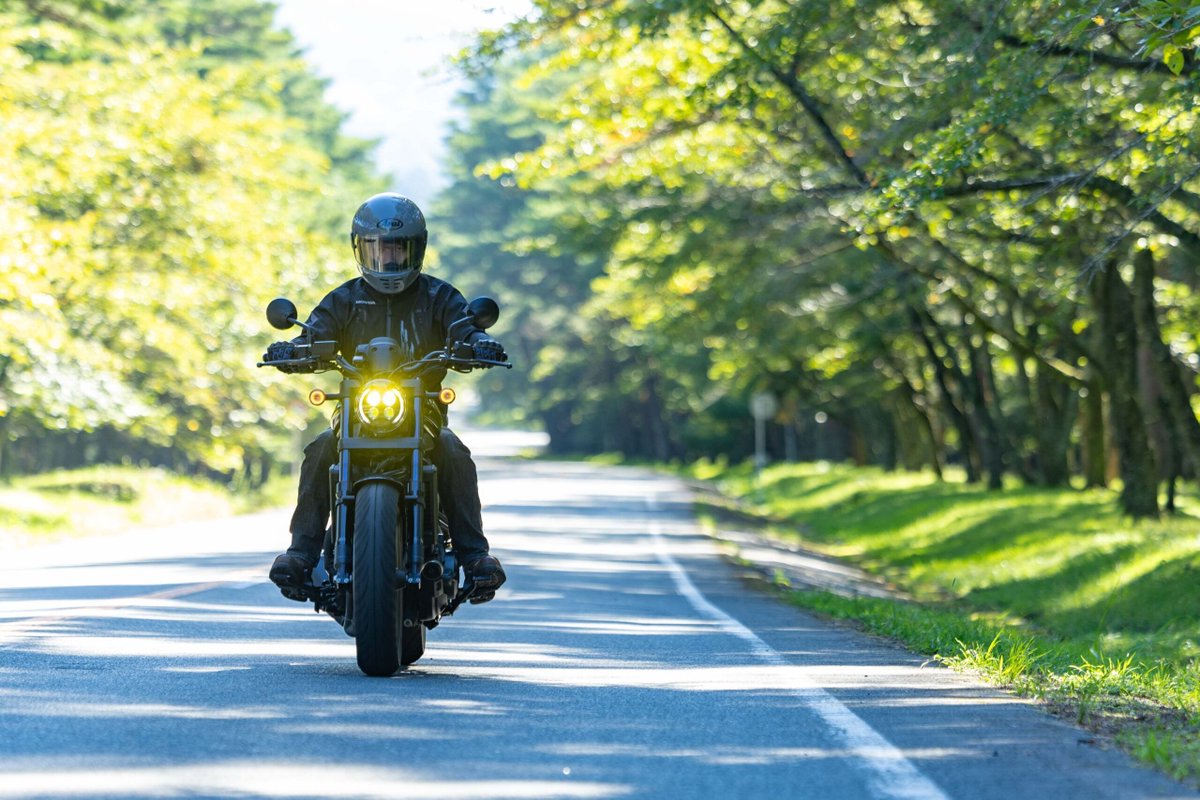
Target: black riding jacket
{"x": 418, "y": 318}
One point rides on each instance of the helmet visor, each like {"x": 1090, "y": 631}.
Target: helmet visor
{"x": 388, "y": 265}
{"x": 389, "y": 256}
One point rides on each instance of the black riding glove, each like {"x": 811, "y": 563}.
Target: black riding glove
{"x": 281, "y": 351}
{"x": 489, "y": 349}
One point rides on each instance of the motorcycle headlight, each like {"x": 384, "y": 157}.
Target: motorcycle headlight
{"x": 380, "y": 406}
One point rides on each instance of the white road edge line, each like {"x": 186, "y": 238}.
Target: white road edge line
{"x": 892, "y": 775}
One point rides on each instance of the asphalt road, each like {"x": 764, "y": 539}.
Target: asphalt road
{"x": 624, "y": 658}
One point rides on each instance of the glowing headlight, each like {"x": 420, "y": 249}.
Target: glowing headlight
{"x": 380, "y": 406}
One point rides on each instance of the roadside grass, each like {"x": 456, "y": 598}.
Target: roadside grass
{"x": 1051, "y": 593}
{"x": 106, "y": 499}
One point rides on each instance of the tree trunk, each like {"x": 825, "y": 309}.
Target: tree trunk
{"x": 1091, "y": 426}
{"x": 859, "y": 450}
{"x": 1023, "y": 422}
{"x": 925, "y": 421}
{"x": 987, "y": 408}
{"x": 1179, "y": 418}
{"x": 967, "y": 441}
{"x": 1056, "y": 412}
{"x": 1171, "y": 457}
{"x": 889, "y": 441}
{"x": 658, "y": 445}
{"x": 1119, "y": 345}
{"x": 791, "y": 448}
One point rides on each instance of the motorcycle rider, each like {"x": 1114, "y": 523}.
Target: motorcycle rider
{"x": 393, "y": 298}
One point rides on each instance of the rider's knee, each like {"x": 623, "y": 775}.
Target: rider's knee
{"x": 321, "y": 448}
{"x": 452, "y": 447}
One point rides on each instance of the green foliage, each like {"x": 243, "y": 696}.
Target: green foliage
{"x": 1167, "y": 26}
{"x": 1062, "y": 560}
{"x": 890, "y": 214}
{"x": 106, "y": 499}
{"x": 1150, "y": 707}
{"x": 103, "y": 500}
{"x": 1046, "y": 592}
{"x": 167, "y": 171}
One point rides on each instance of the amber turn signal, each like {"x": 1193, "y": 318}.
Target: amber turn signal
{"x": 447, "y": 396}
{"x": 316, "y": 397}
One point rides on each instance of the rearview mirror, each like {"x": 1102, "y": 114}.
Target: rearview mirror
{"x": 486, "y": 311}
{"x": 281, "y": 313}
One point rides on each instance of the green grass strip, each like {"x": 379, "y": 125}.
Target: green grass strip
{"x": 1049, "y": 592}
{"x": 108, "y": 499}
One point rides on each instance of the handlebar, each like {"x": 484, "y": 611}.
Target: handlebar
{"x": 443, "y": 359}
{"x": 439, "y": 359}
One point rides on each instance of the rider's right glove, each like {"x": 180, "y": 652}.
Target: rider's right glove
{"x": 281, "y": 351}
{"x": 488, "y": 349}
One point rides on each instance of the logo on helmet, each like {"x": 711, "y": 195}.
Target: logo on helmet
{"x": 391, "y": 224}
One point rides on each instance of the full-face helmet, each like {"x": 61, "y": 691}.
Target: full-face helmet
{"x": 388, "y": 236}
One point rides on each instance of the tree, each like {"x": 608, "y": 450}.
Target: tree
{"x": 919, "y": 192}
{"x": 156, "y": 193}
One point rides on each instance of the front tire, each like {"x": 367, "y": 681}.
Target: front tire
{"x": 378, "y": 606}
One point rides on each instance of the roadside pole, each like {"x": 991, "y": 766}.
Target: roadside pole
{"x": 763, "y": 406}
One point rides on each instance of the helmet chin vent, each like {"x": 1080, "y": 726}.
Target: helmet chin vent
{"x": 389, "y": 283}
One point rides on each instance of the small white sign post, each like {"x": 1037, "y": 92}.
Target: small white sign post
{"x": 763, "y": 406}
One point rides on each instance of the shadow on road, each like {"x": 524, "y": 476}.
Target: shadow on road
{"x": 589, "y": 676}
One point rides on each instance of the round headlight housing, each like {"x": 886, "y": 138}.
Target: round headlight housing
{"x": 380, "y": 406}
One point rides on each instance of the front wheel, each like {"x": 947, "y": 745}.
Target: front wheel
{"x": 378, "y": 606}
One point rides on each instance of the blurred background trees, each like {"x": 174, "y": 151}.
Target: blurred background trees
{"x": 167, "y": 169}
{"x": 939, "y": 233}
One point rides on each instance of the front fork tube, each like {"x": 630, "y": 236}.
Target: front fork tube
{"x": 416, "y": 505}
{"x": 344, "y": 495}
{"x": 341, "y": 546}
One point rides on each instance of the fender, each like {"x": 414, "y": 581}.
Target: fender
{"x": 394, "y": 480}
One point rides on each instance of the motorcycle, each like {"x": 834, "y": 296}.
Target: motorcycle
{"x": 388, "y": 571}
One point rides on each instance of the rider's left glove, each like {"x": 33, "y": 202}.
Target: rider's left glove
{"x": 281, "y": 351}
{"x": 489, "y": 349}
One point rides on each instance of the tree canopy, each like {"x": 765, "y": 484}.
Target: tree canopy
{"x": 167, "y": 170}
{"x": 939, "y": 232}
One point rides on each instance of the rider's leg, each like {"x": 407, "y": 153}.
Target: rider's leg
{"x": 458, "y": 488}
{"x": 311, "y": 515}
